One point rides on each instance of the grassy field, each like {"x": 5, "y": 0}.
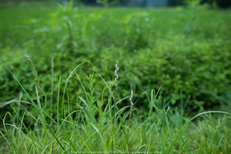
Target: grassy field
{"x": 58, "y": 91}
{"x": 15, "y": 15}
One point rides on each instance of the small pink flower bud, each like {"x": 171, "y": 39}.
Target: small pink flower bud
{"x": 131, "y": 97}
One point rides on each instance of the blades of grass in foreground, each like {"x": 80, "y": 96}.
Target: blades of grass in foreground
{"x": 65, "y": 87}
{"x": 6, "y": 130}
{"x": 121, "y": 120}
{"x": 58, "y": 100}
{"x": 85, "y": 142}
{"x": 203, "y": 113}
{"x": 163, "y": 141}
{"x": 33, "y": 103}
{"x": 152, "y": 105}
{"x": 9, "y": 139}
{"x": 104, "y": 144}
{"x": 82, "y": 86}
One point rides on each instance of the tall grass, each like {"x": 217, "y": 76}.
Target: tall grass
{"x": 60, "y": 119}
{"x": 154, "y": 51}
{"x": 102, "y": 127}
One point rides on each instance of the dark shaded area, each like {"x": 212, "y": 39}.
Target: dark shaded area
{"x": 224, "y": 3}
{"x": 220, "y": 3}
{"x": 141, "y": 3}
{"x": 174, "y": 2}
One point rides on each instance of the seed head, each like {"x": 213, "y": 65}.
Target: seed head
{"x": 131, "y": 97}
{"x": 117, "y": 76}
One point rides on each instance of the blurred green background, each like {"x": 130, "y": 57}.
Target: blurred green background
{"x": 182, "y": 47}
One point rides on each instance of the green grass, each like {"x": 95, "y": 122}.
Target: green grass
{"x": 16, "y": 15}
{"x": 95, "y": 128}
{"x": 176, "y": 63}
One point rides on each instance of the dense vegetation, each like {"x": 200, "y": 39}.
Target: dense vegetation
{"x": 176, "y": 61}
{"x": 184, "y": 54}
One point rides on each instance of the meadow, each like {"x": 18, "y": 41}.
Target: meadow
{"x": 114, "y": 80}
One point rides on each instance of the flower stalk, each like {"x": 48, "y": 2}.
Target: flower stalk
{"x": 131, "y": 98}
{"x": 117, "y": 76}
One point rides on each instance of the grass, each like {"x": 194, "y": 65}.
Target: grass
{"x": 19, "y": 17}
{"x": 91, "y": 128}
{"x": 98, "y": 120}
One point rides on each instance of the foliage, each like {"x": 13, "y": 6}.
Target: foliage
{"x": 88, "y": 127}
{"x": 185, "y": 55}
{"x": 175, "y": 68}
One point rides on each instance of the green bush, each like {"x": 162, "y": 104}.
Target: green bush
{"x": 186, "y": 56}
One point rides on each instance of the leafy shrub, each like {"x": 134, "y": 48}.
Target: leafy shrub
{"x": 189, "y": 58}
